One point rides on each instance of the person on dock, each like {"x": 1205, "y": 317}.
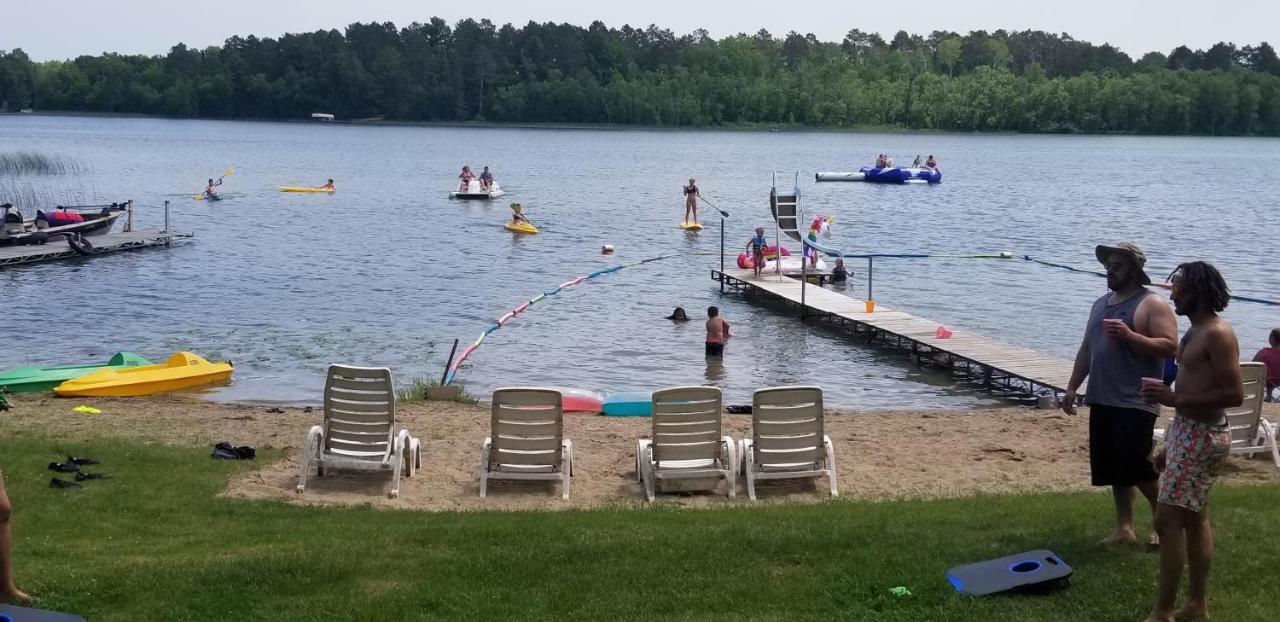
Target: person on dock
{"x": 691, "y": 201}
{"x": 1271, "y": 358}
{"x": 465, "y": 178}
{"x": 486, "y": 180}
{"x": 931, "y": 163}
{"x": 9, "y": 592}
{"x": 1197, "y": 440}
{"x": 328, "y": 186}
{"x": 717, "y": 332}
{"x": 1129, "y": 334}
{"x": 678, "y": 315}
{"x": 756, "y": 247}
{"x": 838, "y": 273}
{"x": 209, "y": 191}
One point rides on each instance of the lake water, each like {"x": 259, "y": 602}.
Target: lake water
{"x": 388, "y": 271}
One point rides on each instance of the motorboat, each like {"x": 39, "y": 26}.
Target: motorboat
{"x": 62, "y": 222}
{"x": 475, "y": 192}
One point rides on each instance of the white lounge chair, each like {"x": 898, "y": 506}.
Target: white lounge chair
{"x": 787, "y": 439}
{"x": 527, "y": 439}
{"x": 687, "y": 442}
{"x": 1250, "y": 432}
{"x": 359, "y": 429}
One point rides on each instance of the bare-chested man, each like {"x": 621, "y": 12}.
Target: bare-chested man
{"x": 9, "y": 592}
{"x": 1129, "y": 334}
{"x": 1197, "y": 440}
{"x": 717, "y": 332}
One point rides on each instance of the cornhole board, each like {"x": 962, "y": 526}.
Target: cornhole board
{"x": 1024, "y": 571}
{"x": 23, "y": 614}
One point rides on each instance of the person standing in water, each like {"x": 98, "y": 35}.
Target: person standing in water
{"x": 691, "y": 201}
{"x": 717, "y": 332}
{"x": 1197, "y": 440}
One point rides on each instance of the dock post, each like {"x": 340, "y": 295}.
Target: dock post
{"x": 128, "y": 220}
{"x": 168, "y": 239}
{"x": 870, "y": 271}
{"x": 721, "y": 254}
{"x": 804, "y": 274}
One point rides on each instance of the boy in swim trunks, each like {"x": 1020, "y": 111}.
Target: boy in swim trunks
{"x": 1198, "y": 441}
{"x": 717, "y": 332}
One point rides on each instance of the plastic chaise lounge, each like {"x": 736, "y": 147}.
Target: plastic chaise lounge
{"x": 1250, "y": 432}
{"x": 527, "y": 439}
{"x": 787, "y": 439}
{"x": 359, "y": 429}
{"x": 687, "y": 443}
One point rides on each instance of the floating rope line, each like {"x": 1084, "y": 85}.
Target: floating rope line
{"x": 1274, "y": 303}
{"x": 524, "y": 306}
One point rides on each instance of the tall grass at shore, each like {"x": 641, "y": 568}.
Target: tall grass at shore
{"x": 418, "y": 390}
{"x": 32, "y": 180}
{"x": 158, "y": 542}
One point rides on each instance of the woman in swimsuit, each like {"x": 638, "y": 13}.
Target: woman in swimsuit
{"x": 691, "y": 201}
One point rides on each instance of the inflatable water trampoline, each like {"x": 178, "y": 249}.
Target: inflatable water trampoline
{"x": 886, "y": 175}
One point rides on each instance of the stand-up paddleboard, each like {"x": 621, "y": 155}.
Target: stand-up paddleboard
{"x": 691, "y": 226}
{"x": 304, "y": 189}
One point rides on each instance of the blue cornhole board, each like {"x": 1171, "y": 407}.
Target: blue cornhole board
{"x": 23, "y": 614}
{"x": 628, "y": 404}
{"x": 1030, "y": 570}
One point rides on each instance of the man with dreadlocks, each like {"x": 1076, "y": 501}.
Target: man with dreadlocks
{"x": 1197, "y": 439}
{"x": 1130, "y": 333}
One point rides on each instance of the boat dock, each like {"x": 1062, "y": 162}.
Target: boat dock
{"x": 1004, "y": 369}
{"x": 102, "y": 244}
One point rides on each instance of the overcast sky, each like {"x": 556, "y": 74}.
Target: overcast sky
{"x": 58, "y": 29}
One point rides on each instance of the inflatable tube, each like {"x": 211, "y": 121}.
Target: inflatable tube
{"x": 900, "y": 175}
{"x": 80, "y": 244}
{"x": 628, "y": 404}
{"x": 580, "y": 400}
{"x": 746, "y": 262}
{"x": 831, "y": 176}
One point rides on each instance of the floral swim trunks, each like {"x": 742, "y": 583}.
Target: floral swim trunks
{"x": 1194, "y": 457}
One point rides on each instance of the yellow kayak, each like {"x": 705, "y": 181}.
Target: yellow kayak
{"x": 182, "y": 371}
{"x": 520, "y": 227}
{"x": 304, "y": 189}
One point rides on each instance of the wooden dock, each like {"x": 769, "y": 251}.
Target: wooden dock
{"x": 1001, "y": 368}
{"x": 102, "y": 244}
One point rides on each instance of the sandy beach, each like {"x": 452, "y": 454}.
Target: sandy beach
{"x": 879, "y": 454}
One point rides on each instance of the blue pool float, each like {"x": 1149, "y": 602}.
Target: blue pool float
{"x": 628, "y": 404}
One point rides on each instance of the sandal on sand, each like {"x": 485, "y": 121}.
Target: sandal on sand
{"x": 63, "y": 467}
{"x": 82, "y": 476}
{"x": 81, "y": 461}
{"x": 62, "y": 483}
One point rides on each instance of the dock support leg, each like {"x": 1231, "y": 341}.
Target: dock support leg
{"x": 168, "y": 238}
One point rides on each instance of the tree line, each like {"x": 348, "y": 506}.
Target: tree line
{"x": 1029, "y": 81}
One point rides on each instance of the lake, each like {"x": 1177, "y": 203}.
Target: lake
{"x": 388, "y": 271}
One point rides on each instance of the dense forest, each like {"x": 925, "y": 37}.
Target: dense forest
{"x": 1027, "y": 81}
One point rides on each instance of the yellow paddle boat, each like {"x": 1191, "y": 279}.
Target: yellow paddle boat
{"x": 182, "y": 371}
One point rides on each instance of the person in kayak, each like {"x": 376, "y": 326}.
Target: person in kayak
{"x": 209, "y": 191}
{"x": 486, "y": 180}
{"x": 517, "y": 213}
{"x": 328, "y": 186}
{"x": 691, "y": 201}
{"x": 465, "y": 178}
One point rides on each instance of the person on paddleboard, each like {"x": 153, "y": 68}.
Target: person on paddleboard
{"x": 691, "y": 201}
{"x": 328, "y": 186}
{"x": 209, "y": 191}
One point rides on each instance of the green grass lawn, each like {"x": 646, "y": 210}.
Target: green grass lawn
{"x": 157, "y": 543}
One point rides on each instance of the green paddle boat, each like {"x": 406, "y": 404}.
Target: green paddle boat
{"x": 31, "y": 378}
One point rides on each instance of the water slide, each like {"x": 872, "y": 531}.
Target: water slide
{"x": 786, "y": 213}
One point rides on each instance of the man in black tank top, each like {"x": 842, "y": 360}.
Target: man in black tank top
{"x": 1130, "y": 333}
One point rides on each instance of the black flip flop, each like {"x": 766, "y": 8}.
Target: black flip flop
{"x": 63, "y": 467}
{"x": 62, "y": 483}
{"x": 82, "y": 476}
{"x": 81, "y": 461}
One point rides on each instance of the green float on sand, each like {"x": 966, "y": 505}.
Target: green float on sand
{"x": 31, "y": 378}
